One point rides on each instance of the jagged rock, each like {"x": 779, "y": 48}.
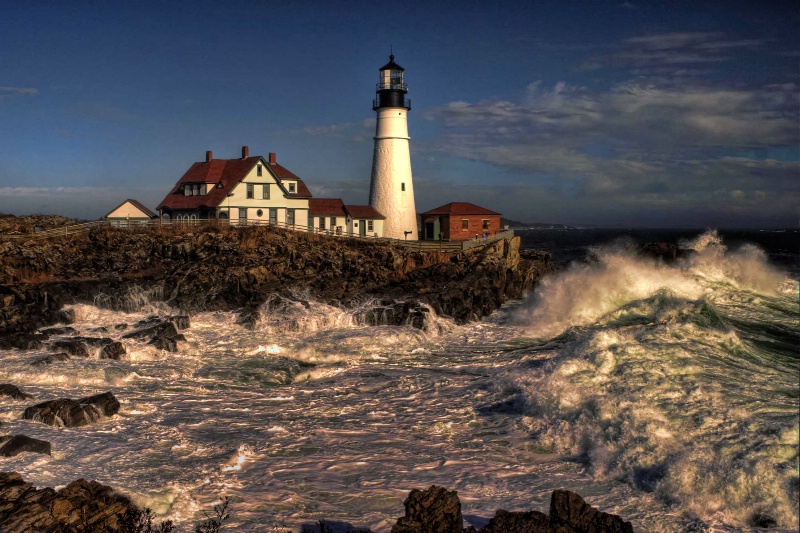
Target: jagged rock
{"x": 115, "y": 350}
{"x": 569, "y": 513}
{"x": 16, "y": 444}
{"x": 435, "y": 510}
{"x": 227, "y": 269}
{"x": 50, "y": 359}
{"x": 80, "y": 506}
{"x": 72, "y": 346}
{"x": 508, "y": 522}
{"x": 438, "y": 510}
{"x": 6, "y": 389}
{"x": 73, "y": 413}
{"x": 151, "y": 329}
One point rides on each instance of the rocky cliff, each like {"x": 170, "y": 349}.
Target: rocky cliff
{"x": 224, "y": 268}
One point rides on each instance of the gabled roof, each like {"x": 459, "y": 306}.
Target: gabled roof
{"x": 326, "y": 207}
{"x": 459, "y": 208}
{"x": 223, "y": 175}
{"x": 363, "y": 211}
{"x": 138, "y": 205}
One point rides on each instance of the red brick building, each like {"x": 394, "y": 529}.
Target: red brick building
{"x": 459, "y": 221}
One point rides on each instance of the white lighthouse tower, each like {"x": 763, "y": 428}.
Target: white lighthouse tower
{"x": 391, "y": 190}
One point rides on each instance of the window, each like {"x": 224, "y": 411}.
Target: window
{"x": 333, "y": 222}
{"x": 250, "y": 190}
{"x": 402, "y": 186}
{"x": 369, "y": 226}
{"x": 258, "y": 171}
{"x": 485, "y": 223}
{"x": 321, "y": 222}
{"x": 290, "y": 217}
{"x": 464, "y": 224}
{"x": 259, "y": 213}
{"x": 273, "y": 215}
{"x": 265, "y": 192}
{"x": 292, "y": 187}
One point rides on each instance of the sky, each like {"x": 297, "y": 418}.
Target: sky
{"x": 608, "y": 113}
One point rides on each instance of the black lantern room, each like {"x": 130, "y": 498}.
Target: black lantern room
{"x": 392, "y": 89}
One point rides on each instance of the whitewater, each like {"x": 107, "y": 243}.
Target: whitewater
{"x": 667, "y": 394}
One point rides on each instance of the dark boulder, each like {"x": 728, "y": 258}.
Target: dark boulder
{"x": 115, "y": 350}
{"x": 435, "y": 510}
{"x": 50, "y": 359}
{"x": 152, "y": 328}
{"x": 17, "y": 444}
{"x": 66, "y": 412}
{"x": 6, "y": 389}
{"x": 438, "y": 510}
{"x": 80, "y": 506}
{"x": 72, "y": 346}
{"x": 508, "y": 522}
{"x": 569, "y": 513}
{"x": 22, "y": 341}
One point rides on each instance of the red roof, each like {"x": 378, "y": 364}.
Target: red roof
{"x": 363, "y": 211}
{"x": 225, "y": 174}
{"x": 326, "y": 207}
{"x": 460, "y": 208}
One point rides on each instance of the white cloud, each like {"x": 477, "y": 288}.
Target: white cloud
{"x": 6, "y": 92}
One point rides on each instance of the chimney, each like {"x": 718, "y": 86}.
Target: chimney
{"x": 209, "y": 156}
{"x": 245, "y": 152}
{"x": 272, "y": 158}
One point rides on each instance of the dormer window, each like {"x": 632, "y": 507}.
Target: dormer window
{"x": 194, "y": 189}
{"x": 292, "y": 188}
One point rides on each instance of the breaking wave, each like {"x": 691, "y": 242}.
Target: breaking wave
{"x": 680, "y": 380}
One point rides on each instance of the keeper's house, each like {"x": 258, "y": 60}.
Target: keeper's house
{"x": 244, "y": 190}
{"x": 459, "y": 221}
{"x": 130, "y": 213}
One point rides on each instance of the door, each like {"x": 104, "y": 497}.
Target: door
{"x": 362, "y": 228}
{"x": 242, "y": 216}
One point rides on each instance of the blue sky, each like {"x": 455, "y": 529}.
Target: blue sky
{"x": 632, "y": 113}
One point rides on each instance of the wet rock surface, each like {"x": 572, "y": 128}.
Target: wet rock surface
{"x": 16, "y": 444}
{"x": 66, "y": 412}
{"x": 80, "y": 506}
{"x": 12, "y": 391}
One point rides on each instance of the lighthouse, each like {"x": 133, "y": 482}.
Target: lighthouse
{"x": 391, "y": 190}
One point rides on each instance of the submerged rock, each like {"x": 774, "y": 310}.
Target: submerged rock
{"x": 73, "y": 413}
{"x": 6, "y": 389}
{"x": 16, "y": 444}
{"x": 50, "y": 359}
{"x": 520, "y": 522}
{"x": 115, "y": 350}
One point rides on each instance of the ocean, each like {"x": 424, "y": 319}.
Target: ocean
{"x": 667, "y": 394}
